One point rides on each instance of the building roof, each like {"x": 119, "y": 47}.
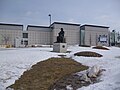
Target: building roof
{"x": 94, "y": 26}
{"x": 11, "y": 24}
{"x": 65, "y": 23}
{"x": 37, "y": 26}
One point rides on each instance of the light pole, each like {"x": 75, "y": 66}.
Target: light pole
{"x": 50, "y": 18}
{"x": 51, "y": 31}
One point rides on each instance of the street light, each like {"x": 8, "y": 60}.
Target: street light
{"x": 51, "y": 31}
{"x": 50, "y": 18}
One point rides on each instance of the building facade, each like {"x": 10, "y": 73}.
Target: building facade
{"x": 9, "y": 33}
{"x": 93, "y": 35}
{"x": 72, "y": 31}
{"x": 114, "y": 38}
{"x": 38, "y": 35}
{"x": 14, "y": 34}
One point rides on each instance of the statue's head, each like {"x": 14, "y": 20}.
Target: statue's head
{"x": 61, "y": 29}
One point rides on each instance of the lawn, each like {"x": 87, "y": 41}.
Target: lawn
{"x": 44, "y": 74}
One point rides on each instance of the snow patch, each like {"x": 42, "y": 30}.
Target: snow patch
{"x": 13, "y": 62}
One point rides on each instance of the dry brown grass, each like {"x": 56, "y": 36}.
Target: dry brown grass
{"x": 44, "y": 74}
{"x": 88, "y": 54}
{"x": 100, "y": 47}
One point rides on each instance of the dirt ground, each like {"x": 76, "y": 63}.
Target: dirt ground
{"x": 44, "y": 74}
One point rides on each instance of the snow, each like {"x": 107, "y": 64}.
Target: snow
{"x": 69, "y": 87}
{"x": 111, "y": 77}
{"x": 14, "y": 61}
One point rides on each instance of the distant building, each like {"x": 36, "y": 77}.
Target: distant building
{"x": 93, "y": 35}
{"x": 13, "y": 34}
{"x": 114, "y": 38}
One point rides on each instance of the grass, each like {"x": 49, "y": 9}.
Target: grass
{"x": 44, "y": 74}
{"x": 88, "y": 54}
{"x": 100, "y": 47}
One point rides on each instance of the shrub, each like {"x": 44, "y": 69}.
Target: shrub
{"x": 100, "y": 47}
{"x": 88, "y": 54}
{"x": 84, "y": 45}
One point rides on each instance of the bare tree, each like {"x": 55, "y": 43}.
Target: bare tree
{"x": 5, "y": 39}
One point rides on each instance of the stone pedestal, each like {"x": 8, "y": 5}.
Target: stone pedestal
{"x": 60, "y": 47}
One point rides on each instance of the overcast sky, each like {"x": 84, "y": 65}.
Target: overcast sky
{"x": 98, "y": 12}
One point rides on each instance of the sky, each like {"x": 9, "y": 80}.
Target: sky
{"x": 35, "y": 12}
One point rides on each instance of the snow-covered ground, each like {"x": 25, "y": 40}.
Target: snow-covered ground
{"x": 13, "y": 62}
{"x": 110, "y": 62}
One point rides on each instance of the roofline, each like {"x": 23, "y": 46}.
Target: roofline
{"x": 95, "y": 26}
{"x": 37, "y": 26}
{"x": 11, "y": 24}
{"x": 65, "y": 23}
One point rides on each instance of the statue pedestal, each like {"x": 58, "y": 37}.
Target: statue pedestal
{"x": 60, "y": 47}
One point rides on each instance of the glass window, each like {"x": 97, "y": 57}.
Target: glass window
{"x": 25, "y": 42}
{"x": 25, "y": 35}
{"x": 82, "y": 37}
{"x": 21, "y": 41}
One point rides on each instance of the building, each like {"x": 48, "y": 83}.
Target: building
{"x": 72, "y": 31}
{"x": 94, "y": 35}
{"x": 114, "y": 38}
{"x": 38, "y": 35}
{"x": 13, "y": 34}
{"x": 9, "y": 33}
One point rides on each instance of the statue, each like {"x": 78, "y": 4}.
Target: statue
{"x": 60, "y": 45}
{"x": 60, "y": 37}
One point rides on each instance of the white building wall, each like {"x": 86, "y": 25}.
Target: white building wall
{"x": 38, "y": 35}
{"x": 72, "y": 33}
{"x": 46, "y": 35}
{"x": 11, "y": 32}
{"x": 92, "y": 35}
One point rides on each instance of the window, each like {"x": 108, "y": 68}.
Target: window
{"x": 22, "y": 42}
{"x": 25, "y": 42}
{"x": 25, "y": 35}
{"x": 82, "y": 37}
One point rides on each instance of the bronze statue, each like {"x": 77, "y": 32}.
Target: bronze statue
{"x": 60, "y": 37}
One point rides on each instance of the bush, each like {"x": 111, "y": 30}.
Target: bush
{"x": 100, "y": 47}
{"x": 88, "y": 54}
{"x": 84, "y": 45}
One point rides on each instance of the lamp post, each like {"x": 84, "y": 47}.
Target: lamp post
{"x": 50, "y": 18}
{"x": 51, "y": 31}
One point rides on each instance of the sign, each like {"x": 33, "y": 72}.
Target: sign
{"x": 102, "y": 38}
